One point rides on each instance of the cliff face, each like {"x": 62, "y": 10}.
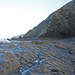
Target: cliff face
{"x": 43, "y": 57}
{"x": 60, "y": 24}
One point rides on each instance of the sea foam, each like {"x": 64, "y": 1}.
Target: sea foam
{"x": 3, "y": 40}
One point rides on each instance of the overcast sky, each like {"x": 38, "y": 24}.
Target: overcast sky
{"x": 18, "y": 16}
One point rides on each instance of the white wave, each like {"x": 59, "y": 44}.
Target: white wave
{"x": 2, "y": 40}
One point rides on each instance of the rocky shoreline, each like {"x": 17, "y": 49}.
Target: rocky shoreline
{"x": 38, "y": 57}
{"x": 44, "y": 49}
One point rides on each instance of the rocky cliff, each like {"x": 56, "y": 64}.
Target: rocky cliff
{"x": 43, "y": 57}
{"x": 59, "y": 24}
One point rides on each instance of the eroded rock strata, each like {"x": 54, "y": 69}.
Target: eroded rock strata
{"x": 43, "y": 57}
{"x": 38, "y": 57}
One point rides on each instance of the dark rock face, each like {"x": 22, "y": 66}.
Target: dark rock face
{"x": 59, "y": 24}
{"x": 63, "y": 22}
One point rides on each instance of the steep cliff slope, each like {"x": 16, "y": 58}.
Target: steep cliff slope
{"x": 59, "y": 24}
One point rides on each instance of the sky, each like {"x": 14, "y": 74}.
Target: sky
{"x": 19, "y": 16}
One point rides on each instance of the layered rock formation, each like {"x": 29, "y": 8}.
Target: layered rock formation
{"x": 40, "y": 57}
{"x": 60, "y": 24}
{"x": 43, "y": 57}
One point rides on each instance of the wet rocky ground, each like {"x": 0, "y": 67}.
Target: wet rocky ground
{"x": 38, "y": 57}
